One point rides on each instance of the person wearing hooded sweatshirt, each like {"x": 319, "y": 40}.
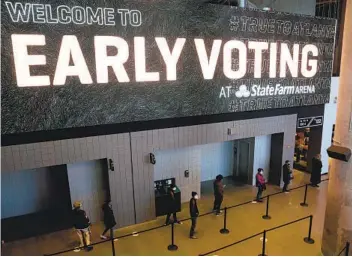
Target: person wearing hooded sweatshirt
{"x": 171, "y": 206}
{"x": 218, "y": 194}
{"x": 81, "y": 223}
{"x": 194, "y": 213}
{"x": 109, "y": 219}
{"x": 260, "y": 183}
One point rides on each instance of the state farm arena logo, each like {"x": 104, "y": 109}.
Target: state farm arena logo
{"x": 269, "y": 90}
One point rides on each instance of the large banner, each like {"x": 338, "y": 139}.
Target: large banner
{"x": 83, "y": 63}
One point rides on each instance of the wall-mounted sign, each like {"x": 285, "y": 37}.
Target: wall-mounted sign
{"x": 101, "y": 62}
{"x": 310, "y": 122}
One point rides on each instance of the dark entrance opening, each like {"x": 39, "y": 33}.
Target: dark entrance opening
{"x": 276, "y": 151}
{"x": 34, "y": 202}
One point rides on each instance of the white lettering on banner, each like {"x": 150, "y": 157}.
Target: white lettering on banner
{"x": 103, "y": 61}
{"x": 170, "y": 57}
{"x": 70, "y": 48}
{"x": 208, "y": 65}
{"x": 242, "y": 57}
{"x": 278, "y": 89}
{"x": 140, "y": 62}
{"x": 235, "y": 60}
{"x": 23, "y": 60}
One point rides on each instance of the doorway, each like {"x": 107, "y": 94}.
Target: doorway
{"x": 34, "y": 202}
{"x": 244, "y": 158}
{"x": 89, "y": 184}
{"x": 276, "y": 151}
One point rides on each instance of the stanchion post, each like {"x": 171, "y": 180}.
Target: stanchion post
{"x": 309, "y": 239}
{"x": 266, "y": 216}
{"x": 347, "y": 250}
{"x": 224, "y": 230}
{"x": 263, "y": 245}
{"x": 172, "y": 246}
{"x": 304, "y": 204}
{"x": 112, "y": 241}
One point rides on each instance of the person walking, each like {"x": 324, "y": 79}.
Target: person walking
{"x": 194, "y": 213}
{"x": 260, "y": 183}
{"x": 218, "y": 194}
{"x": 109, "y": 218}
{"x": 171, "y": 206}
{"x": 81, "y": 224}
{"x": 287, "y": 175}
{"x": 315, "y": 177}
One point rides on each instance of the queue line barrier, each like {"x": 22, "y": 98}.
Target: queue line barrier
{"x": 173, "y": 246}
{"x": 308, "y": 239}
{"x": 345, "y": 250}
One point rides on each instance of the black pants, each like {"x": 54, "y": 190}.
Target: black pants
{"x": 259, "y": 193}
{"x": 217, "y": 203}
{"x": 284, "y": 189}
{"x": 193, "y": 227}
{"x": 168, "y": 217}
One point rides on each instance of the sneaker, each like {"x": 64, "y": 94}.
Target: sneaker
{"x": 166, "y": 224}
{"x": 193, "y": 237}
{"x": 218, "y": 214}
{"x": 286, "y": 192}
{"x": 103, "y": 237}
{"x": 179, "y": 222}
{"x": 89, "y": 248}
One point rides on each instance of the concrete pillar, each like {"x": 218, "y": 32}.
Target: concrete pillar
{"x": 338, "y": 214}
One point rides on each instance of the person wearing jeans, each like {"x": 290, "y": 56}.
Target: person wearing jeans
{"x": 260, "y": 183}
{"x": 171, "y": 206}
{"x": 193, "y": 209}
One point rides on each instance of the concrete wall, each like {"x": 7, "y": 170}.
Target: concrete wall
{"x": 132, "y": 182}
{"x": 262, "y": 148}
{"x": 329, "y": 120}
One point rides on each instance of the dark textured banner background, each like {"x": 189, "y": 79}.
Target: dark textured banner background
{"x": 25, "y": 109}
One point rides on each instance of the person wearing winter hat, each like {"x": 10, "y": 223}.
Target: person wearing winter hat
{"x": 193, "y": 209}
{"x": 81, "y": 223}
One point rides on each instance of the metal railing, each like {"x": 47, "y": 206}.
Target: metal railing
{"x": 223, "y": 230}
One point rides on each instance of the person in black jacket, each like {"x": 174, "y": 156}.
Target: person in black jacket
{"x": 287, "y": 173}
{"x": 81, "y": 223}
{"x": 194, "y": 213}
{"x": 315, "y": 177}
{"x": 171, "y": 206}
{"x": 109, "y": 219}
{"x": 218, "y": 194}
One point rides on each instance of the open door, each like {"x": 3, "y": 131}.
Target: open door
{"x": 243, "y": 160}
{"x": 277, "y": 143}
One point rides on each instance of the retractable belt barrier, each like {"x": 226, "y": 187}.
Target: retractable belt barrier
{"x": 224, "y": 230}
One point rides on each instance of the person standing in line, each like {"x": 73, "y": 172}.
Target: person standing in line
{"x": 193, "y": 209}
{"x": 171, "y": 205}
{"x": 109, "y": 219}
{"x": 315, "y": 177}
{"x": 287, "y": 175}
{"x": 260, "y": 183}
{"x": 218, "y": 194}
{"x": 81, "y": 224}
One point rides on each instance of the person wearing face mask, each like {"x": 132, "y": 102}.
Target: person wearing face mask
{"x": 260, "y": 183}
{"x": 218, "y": 194}
{"x": 287, "y": 175}
{"x": 171, "y": 206}
{"x": 193, "y": 209}
{"x": 109, "y": 219}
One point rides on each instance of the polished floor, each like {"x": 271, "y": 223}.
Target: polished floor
{"x": 242, "y": 222}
